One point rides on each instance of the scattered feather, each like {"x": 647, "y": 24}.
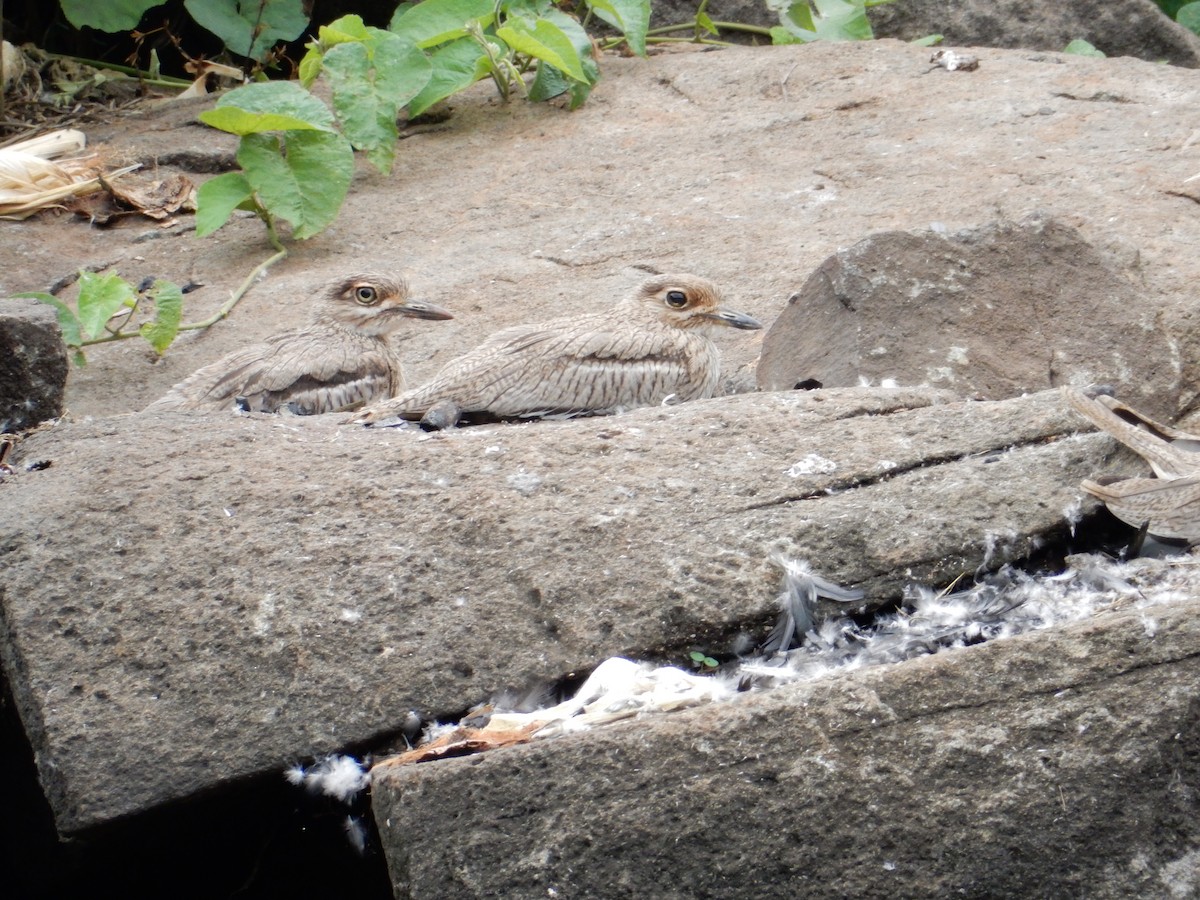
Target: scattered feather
{"x": 1001, "y": 605}
{"x": 356, "y": 834}
{"x": 294, "y": 774}
{"x": 798, "y": 602}
{"x": 340, "y": 777}
{"x": 1005, "y": 604}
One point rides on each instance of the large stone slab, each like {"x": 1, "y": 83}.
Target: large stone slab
{"x": 747, "y": 165}
{"x": 192, "y": 599}
{"x": 1058, "y": 763}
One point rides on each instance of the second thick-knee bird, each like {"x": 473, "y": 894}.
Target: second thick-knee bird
{"x": 342, "y": 359}
{"x": 652, "y": 345}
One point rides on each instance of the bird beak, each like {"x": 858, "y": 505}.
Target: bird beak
{"x": 419, "y": 309}
{"x": 733, "y": 319}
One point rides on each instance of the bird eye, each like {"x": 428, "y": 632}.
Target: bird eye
{"x": 365, "y": 294}
{"x": 676, "y": 299}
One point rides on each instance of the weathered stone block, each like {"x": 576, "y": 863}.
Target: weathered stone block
{"x": 1059, "y": 763}
{"x": 239, "y": 592}
{"x": 33, "y": 364}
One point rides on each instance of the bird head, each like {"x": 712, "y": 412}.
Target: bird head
{"x": 374, "y": 304}
{"x": 688, "y": 301}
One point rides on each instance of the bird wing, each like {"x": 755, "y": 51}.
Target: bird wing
{"x": 305, "y": 373}
{"x": 567, "y": 366}
{"x": 1171, "y": 506}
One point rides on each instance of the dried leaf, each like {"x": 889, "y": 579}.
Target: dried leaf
{"x": 463, "y": 742}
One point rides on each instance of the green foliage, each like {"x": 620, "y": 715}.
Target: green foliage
{"x": 456, "y": 65}
{"x": 168, "y": 315}
{"x": 250, "y": 28}
{"x": 372, "y": 74}
{"x": 297, "y": 155}
{"x": 295, "y": 164}
{"x": 106, "y": 15}
{"x": 1185, "y": 12}
{"x": 472, "y": 39}
{"x": 102, "y": 297}
{"x": 702, "y": 661}
{"x": 1082, "y": 48}
{"x": 435, "y": 22}
{"x": 218, "y": 197}
{"x": 1189, "y": 17}
{"x": 824, "y": 20}
{"x": 631, "y": 18}
{"x": 300, "y": 176}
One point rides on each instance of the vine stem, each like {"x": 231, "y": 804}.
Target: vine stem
{"x": 138, "y": 74}
{"x": 721, "y": 26}
{"x": 226, "y": 307}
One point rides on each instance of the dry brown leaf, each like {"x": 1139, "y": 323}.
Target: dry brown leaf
{"x": 157, "y": 198}
{"x": 463, "y": 742}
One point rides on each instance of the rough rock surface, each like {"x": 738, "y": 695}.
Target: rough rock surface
{"x": 1058, "y": 763}
{"x": 1124, "y": 28}
{"x": 1117, "y": 27}
{"x": 33, "y": 365}
{"x": 747, "y": 165}
{"x": 750, "y": 166}
{"x": 989, "y": 313}
{"x": 239, "y": 591}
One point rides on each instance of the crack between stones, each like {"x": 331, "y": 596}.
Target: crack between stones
{"x": 870, "y": 480}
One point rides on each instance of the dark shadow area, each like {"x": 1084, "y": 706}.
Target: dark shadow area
{"x": 260, "y": 839}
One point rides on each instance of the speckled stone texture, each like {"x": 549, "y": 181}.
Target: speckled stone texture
{"x": 189, "y": 599}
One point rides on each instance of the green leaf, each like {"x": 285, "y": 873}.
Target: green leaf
{"x": 342, "y": 31}
{"x": 308, "y": 184}
{"x": 800, "y": 14}
{"x": 270, "y": 106}
{"x": 168, "y": 313}
{"x": 828, "y": 20}
{"x": 250, "y": 28}
{"x": 544, "y": 41}
{"x": 1189, "y": 17}
{"x": 68, "y": 323}
{"x": 1082, "y": 48}
{"x": 456, "y": 65}
{"x": 217, "y": 198}
{"x": 550, "y": 81}
{"x": 706, "y": 23}
{"x": 630, "y": 17}
{"x": 347, "y": 29}
{"x": 780, "y": 36}
{"x": 930, "y": 40}
{"x": 434, "y": 22}
{"x": 310, "y": 66}
{"x": 100, "y": 298}
{"x": 109, "y": 15}
{"x": 370, "y": 83}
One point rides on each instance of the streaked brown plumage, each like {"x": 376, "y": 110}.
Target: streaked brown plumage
{"x": 342, "y": 359}
{"x": 652, "y": 345}
{"x": 1170, "y": 503}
